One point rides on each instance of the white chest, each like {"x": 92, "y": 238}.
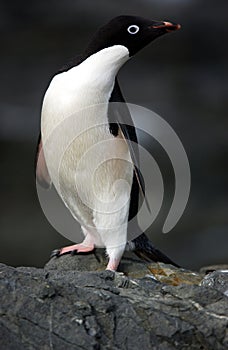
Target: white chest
{"x": 87, "y": 84}
{"x": 74, "y": 116}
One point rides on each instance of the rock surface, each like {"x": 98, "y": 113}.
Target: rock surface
{"x": 217, "y": 280}
{"x": 150, "y": 306}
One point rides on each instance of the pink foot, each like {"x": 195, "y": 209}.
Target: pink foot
{"x": 73, "y": 249}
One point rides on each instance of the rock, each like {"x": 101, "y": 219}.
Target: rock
{"x": 63, "y": 307}
{"x": 218, "y": 280}
{"x": 172, "y": 275}
{"x": 211, "y": 268}
{"x": 130, "y": 266}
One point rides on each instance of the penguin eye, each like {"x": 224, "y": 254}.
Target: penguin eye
{"x": 133, "y": 29}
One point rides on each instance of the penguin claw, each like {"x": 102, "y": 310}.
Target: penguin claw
{"x": 73, "y": 252}
{"x": 55, "y": 253}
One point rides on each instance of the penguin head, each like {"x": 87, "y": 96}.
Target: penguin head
{"x": 130, "y": 31}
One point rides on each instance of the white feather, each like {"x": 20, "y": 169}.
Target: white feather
{"x": 74, "y": 101}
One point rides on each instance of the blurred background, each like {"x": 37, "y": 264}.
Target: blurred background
{"x": 181, "y": 76}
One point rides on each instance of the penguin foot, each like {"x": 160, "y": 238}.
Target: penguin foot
{"x": 73, "y": 249}
{"x": 113, "y": 265}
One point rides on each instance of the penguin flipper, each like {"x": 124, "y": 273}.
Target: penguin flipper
{"x": 42, "y": 175}
{"x": 120, "y": 115}
{"x": 145, "y": 250}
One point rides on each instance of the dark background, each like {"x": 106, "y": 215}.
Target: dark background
{"x": 181, "y": 76}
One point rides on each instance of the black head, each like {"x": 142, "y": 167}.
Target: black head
{"x": 130, "y": 31}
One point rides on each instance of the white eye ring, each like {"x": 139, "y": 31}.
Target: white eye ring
{"x": 133, "y": 29}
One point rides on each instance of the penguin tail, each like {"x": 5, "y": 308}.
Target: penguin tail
{"x": 145, "y": 250}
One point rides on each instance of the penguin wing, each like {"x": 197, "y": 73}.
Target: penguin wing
{"x": 120, "y": 114}
{"x": 42, "y": 175}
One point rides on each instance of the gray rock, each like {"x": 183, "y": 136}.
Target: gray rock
{"x": 211, "y": 268}
{"x": 60, "y": 307}
{"x": 218, "y": 280}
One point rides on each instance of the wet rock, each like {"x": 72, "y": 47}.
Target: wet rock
{"x": 63, "y": 307}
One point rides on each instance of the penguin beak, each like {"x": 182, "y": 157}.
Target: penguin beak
{"x": 168, "y": 26}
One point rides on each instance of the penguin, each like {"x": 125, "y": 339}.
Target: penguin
{"x": 91, "y": 80}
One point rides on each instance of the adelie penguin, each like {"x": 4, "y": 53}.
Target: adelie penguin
{"x": 91, "y": 80}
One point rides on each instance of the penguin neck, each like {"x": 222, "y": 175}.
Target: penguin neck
{"x": 103, "y": 66}
{"x": 115, "y": 54}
